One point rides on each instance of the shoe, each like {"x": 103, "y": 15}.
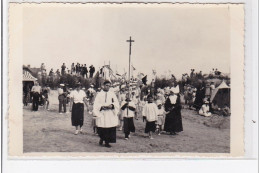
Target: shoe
{"x": 107, "y": 145}
{"x": 129, "y": 136}
{"x": 126, "y": 139}
{"x": 151, "y": 137}
{"x": 81, "y": 131}
{"x": 159, "y": 134}
{"x": 100, "y": 142}
{"x": 120, "y": 129}
{"x": 60, "y": 113}
{"x": 76, "y": 132}
{"x": 67, "y": 112}
{"x": 48, "y": 109}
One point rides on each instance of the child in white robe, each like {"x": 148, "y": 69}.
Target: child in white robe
{"x": 150, "y": 114}
{"x": 128, "y": 112}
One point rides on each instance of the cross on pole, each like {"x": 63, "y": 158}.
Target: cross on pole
{"x": 130, "y": 45}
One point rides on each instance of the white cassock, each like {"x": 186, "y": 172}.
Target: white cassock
{"x": 150, "y": 111}
{"x": 106, "y": 118}
{"x": 128, "y": 113}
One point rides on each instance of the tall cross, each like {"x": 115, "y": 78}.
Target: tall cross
{"x": 130, "y": 45}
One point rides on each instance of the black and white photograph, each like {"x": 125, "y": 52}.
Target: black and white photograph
{"x": 136, "y": 78}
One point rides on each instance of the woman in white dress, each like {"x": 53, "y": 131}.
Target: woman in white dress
{"x": 204, "y": 110}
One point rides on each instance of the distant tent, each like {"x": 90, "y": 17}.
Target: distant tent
{"x": 27, "y": 77}
{"x": 221, "y": 95}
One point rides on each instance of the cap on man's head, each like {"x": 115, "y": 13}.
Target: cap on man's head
{"x": 106, "y": 82}
{"x": 62, "y": 84}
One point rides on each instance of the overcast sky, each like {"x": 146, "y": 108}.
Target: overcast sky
{"x": 166, "y": 38}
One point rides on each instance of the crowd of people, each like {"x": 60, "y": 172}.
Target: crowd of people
{"x": 198, "y": 98}
{"x": 75, "y": 69}
{"x": 118, "y": 106}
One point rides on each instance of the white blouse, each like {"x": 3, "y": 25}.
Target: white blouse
{"x": 36, "y": 89}
{"x": 78, "y": 97}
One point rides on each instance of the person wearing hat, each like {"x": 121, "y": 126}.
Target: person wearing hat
{"x": 106, "y": 108}
{"x": 173, "y": 120}
{"x": 78, "y": 98}
{"x": 36, "y": 91}
{"x": 62, "y": 98}
{"x": 204, "y": 110}
{"x": 128, "y": 112}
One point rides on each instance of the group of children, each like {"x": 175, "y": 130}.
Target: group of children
{"x": 152, "y": 113}
{"x": 131, "y": 107}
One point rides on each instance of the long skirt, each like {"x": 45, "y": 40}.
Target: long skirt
{"x": 107, "y": 134}
{"x": 77, "y": 115}
{"x": 169, "y": 125}
{"x": 173, "y": 123}
{"x": 150, "y": 127}
{"x": 129, "y": 125}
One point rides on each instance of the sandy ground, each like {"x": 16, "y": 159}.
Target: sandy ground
{"x": 49, "y": 131}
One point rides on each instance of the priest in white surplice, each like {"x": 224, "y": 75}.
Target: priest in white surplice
{"x": 106, "y": 108}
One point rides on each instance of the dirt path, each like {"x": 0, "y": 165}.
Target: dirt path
{"x": 48, "y": 131}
